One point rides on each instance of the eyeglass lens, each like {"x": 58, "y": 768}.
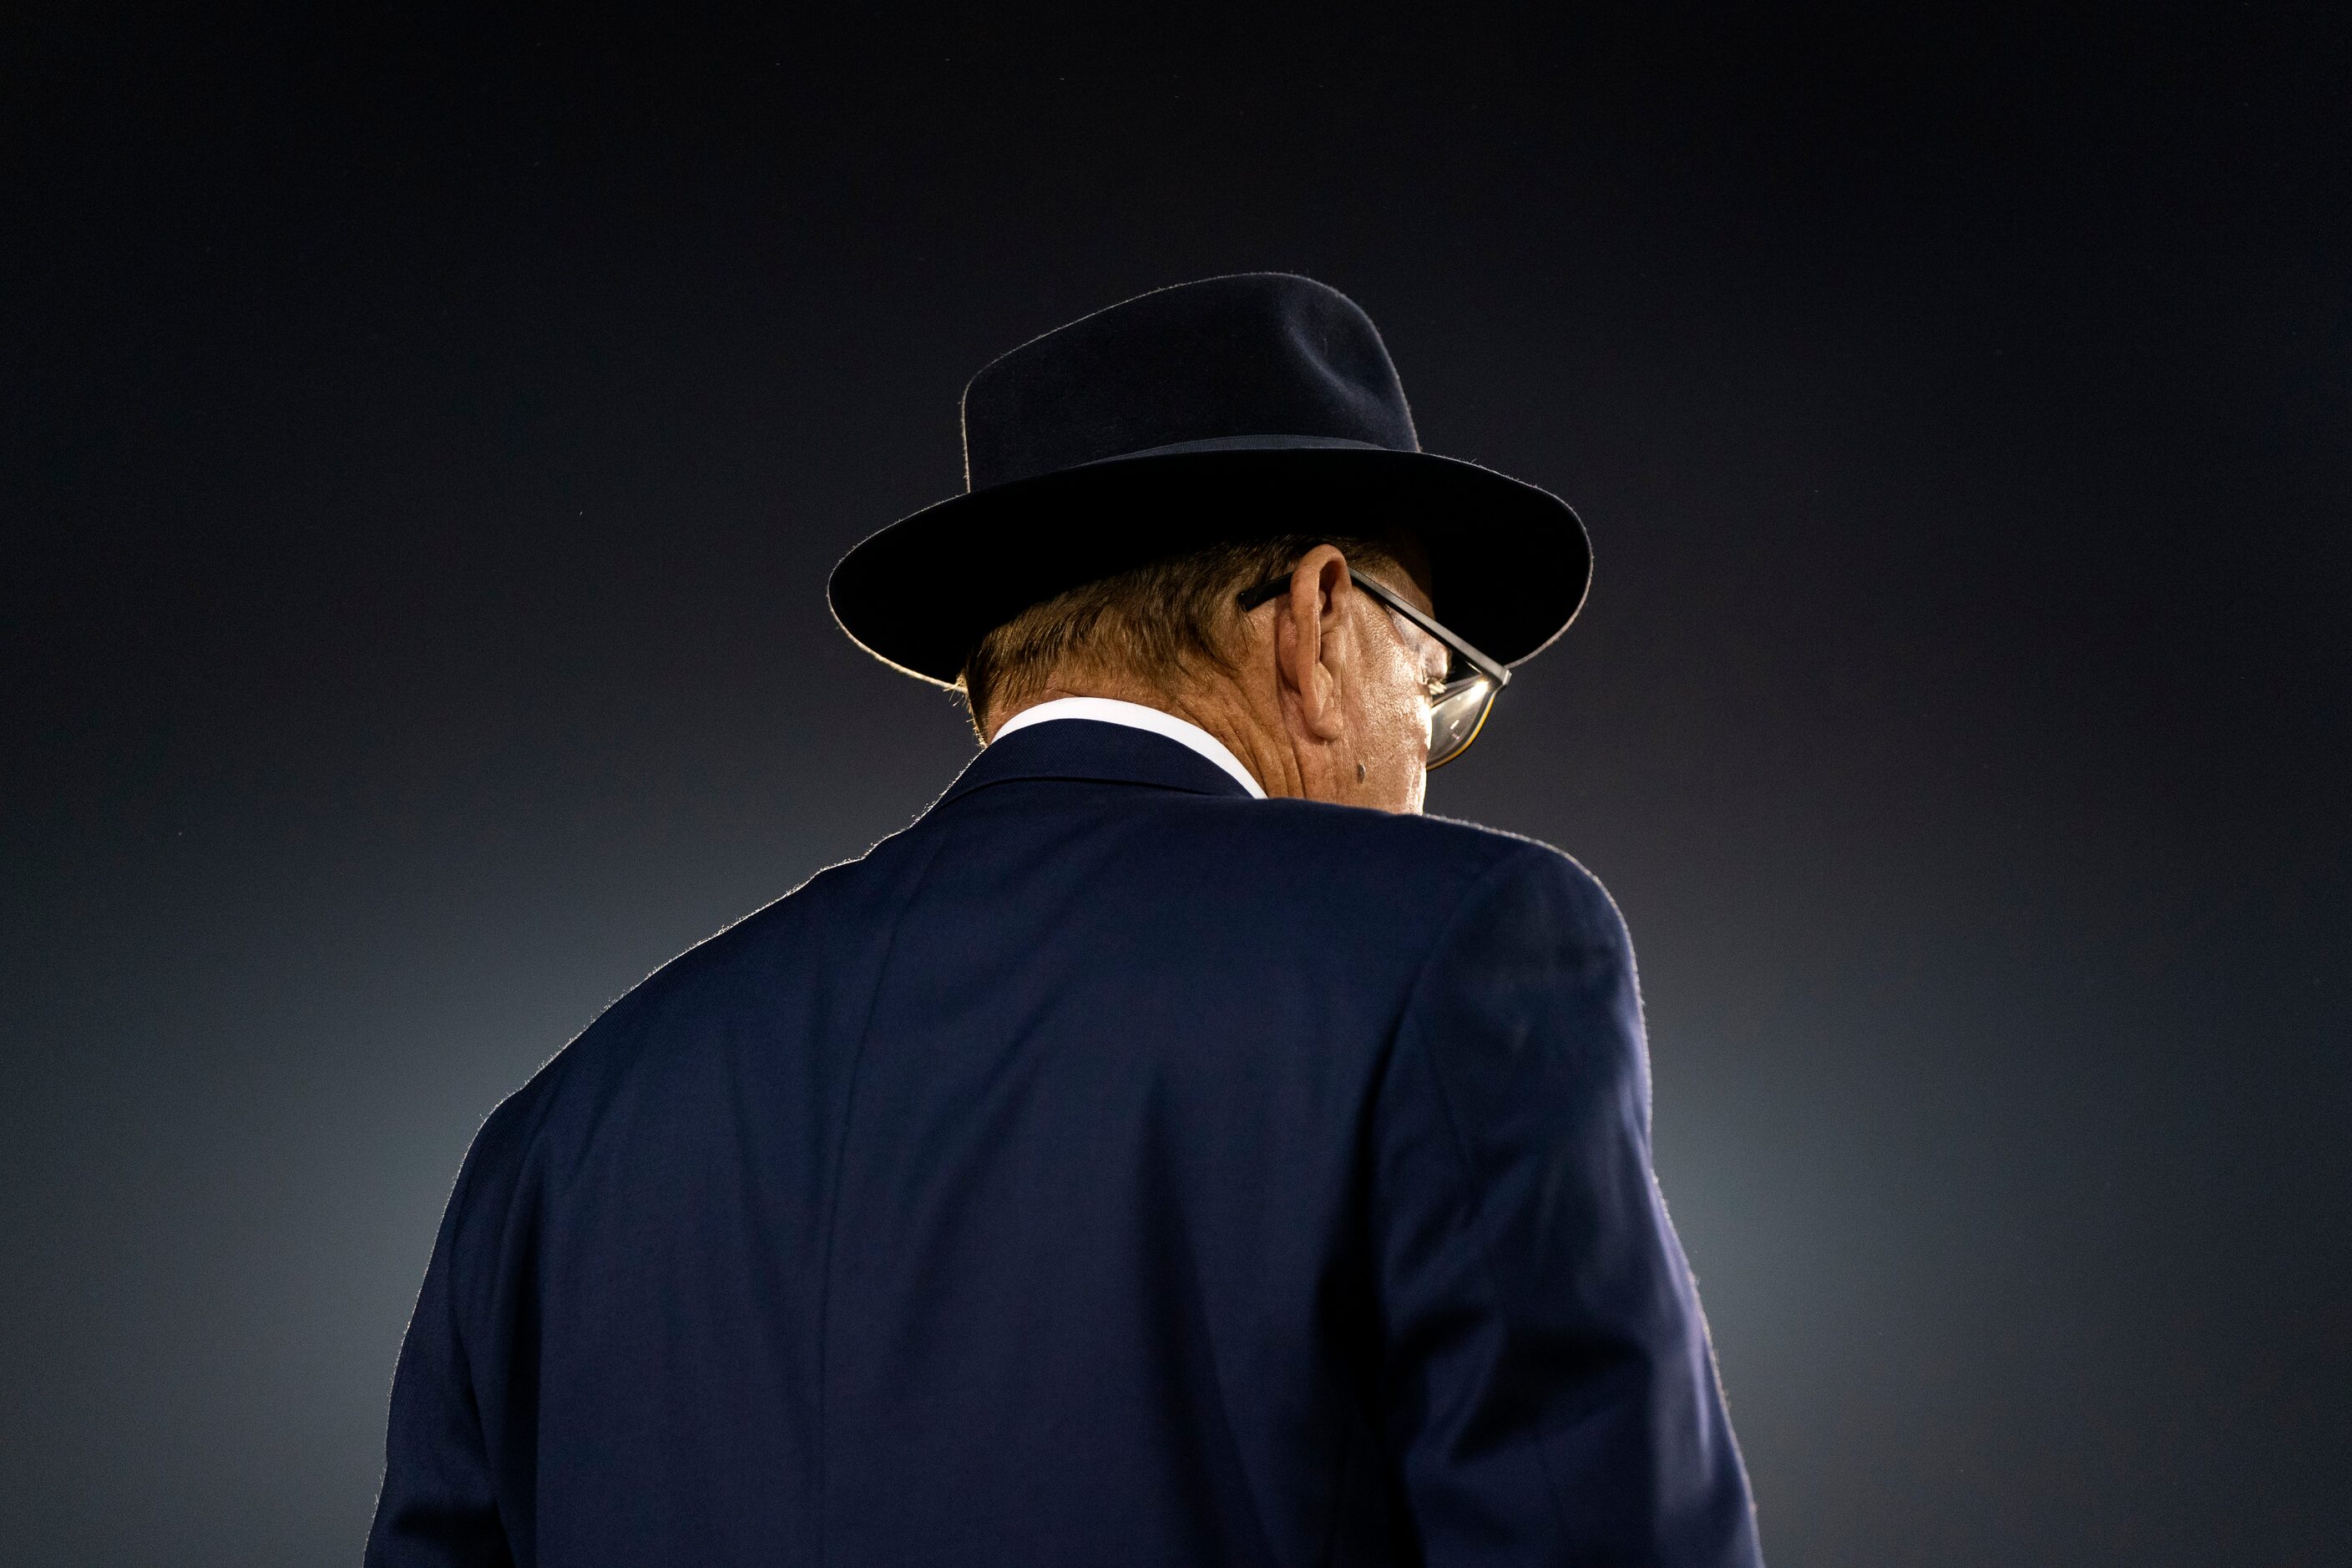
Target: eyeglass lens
{"x": 1455, "y": 717}
{"x": 1457, "y": 711}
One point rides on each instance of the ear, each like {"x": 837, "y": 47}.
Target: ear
{"x": 1312, "y": 649}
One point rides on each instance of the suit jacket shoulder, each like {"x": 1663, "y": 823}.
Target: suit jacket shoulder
{"x": 1110, "y": 1167}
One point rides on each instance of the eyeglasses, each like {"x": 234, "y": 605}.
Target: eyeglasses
{"x": 1459, "y": 700}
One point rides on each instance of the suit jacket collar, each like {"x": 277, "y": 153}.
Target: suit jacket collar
{"x": 1089, "y": 750}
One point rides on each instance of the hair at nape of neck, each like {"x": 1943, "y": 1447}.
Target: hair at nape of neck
{"x": 1155, "y": 626}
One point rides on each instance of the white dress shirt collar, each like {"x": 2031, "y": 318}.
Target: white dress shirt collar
{"x": 1134, "y": 716}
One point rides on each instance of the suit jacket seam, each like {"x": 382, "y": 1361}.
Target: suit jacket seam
{"x": 1472, "y": 1222}
{"x": 832, "y": 1198}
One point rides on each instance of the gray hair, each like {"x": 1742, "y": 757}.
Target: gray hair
{"x": 1161, "y": 624}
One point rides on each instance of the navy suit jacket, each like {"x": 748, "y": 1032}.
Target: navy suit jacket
{"x": 1109, "y": 1169}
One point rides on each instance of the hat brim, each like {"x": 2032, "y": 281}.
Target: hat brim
{"x": 1510, "y": 562}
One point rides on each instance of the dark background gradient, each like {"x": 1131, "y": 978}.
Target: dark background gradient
{"x": 425, "y": 444}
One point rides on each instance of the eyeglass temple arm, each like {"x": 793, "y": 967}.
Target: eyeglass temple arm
{"x": 1492, "y": 669}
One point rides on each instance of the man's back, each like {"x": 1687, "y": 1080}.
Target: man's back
{"x": 1111, "y": 1168}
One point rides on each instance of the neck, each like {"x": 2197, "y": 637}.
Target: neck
{"x": 1217, "y": 707}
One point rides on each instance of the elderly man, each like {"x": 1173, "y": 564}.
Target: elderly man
{"x": 1171, "y": 1149}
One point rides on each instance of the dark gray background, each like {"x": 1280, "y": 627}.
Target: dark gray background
{"x": 425, "y": 444}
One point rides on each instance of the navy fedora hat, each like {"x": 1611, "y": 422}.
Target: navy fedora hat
{"x": 1248, "y": 406}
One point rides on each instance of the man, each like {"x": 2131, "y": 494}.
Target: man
{"x": 1171, "y": 1149}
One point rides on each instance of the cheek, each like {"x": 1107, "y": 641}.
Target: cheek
{"x": 1398, "y": 714}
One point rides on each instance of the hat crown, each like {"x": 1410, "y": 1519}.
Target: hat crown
{"x": 1255, "y": 354}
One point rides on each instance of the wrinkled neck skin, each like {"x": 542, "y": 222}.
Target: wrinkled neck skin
{"x": 1324, "y": 702}
{"x": 1225, "y": 710}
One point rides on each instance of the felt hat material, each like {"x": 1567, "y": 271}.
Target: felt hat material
{"x": 1246, "y": 406}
